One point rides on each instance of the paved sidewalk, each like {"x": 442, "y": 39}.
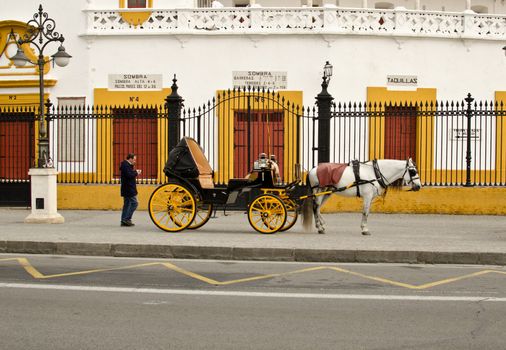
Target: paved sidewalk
{"x": 395, "y": 238}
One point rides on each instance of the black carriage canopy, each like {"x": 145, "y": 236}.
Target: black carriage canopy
{"x": 187, "y": 160}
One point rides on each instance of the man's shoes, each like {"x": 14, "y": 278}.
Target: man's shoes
{"x": 127, "y": 223}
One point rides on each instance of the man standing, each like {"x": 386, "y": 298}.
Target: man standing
{"x": 128, "y": 189}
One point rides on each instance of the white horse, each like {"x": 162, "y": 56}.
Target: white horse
{"x": 374, "y": 179}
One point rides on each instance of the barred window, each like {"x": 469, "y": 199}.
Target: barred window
{"x": 71, "y": 129}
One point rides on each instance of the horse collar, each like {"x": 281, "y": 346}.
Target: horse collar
{"x": 379, "y": 176}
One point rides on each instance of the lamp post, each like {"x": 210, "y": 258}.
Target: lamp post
{"x": 40, "y": 33}
{"x": 324, "y": 102}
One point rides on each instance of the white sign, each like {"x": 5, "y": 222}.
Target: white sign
{"x": 135, "y": 82}
{"x": 402, "y": 80}
{"x": 260, "y": 79}
{"x": 461, "y": 134}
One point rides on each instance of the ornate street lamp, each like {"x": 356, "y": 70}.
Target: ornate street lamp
{"x": 324, "y": 102}
{"x": 40, "y": 33}
{"x": 327, "y": 72}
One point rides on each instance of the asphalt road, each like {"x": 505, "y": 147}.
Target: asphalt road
{"x": 53, "y": 302}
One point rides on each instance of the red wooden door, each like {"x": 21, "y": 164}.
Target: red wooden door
{"x": 135, "y": 131}
{"x": 16, "y": 145}
{"x": 400, "y": 132}
{"x": 266, "y": 133}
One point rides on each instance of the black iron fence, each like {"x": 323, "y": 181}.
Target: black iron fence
{"x": 454, "y": 143}
{"x": 88, "y": 143}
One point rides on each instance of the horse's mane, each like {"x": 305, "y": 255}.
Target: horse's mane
{"x": 397, "y": 185}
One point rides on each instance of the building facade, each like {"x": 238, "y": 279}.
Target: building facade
{"x": 126, "y": 52}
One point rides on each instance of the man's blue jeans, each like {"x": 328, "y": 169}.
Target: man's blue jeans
{"x": 129, "y": 206}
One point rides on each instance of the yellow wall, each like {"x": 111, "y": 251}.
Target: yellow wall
{"x": 135, "y": 18}
{"x": 500, "y": 163}
{"x": 226, "y": 129}
{"x": 111, "y": 99}
{"x": 19, "y": 28}
{"x": 430, "y": 200}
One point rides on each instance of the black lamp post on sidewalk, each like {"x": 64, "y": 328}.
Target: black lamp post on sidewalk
{"x": 324, "y": 102}
{"x": 40, "y": 33}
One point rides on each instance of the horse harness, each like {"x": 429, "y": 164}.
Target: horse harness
{"x": 380, "y": 179}
{"x": 358, "y": 181}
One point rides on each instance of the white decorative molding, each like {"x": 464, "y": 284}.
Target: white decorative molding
{"x": 254, "y": 20}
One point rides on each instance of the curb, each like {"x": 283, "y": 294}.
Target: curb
{"x": 263, "y": 254}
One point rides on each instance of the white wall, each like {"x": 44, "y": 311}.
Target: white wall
{"x": 204, "y": 63}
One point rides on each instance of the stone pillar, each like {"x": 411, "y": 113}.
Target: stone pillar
{"x": 44, "y": 197}
{"x": 364, "y": 4}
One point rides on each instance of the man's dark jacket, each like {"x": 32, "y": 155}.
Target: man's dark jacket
{"x": 128, "y": 175}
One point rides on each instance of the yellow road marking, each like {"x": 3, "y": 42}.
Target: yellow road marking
{"x": 32, "y": 271}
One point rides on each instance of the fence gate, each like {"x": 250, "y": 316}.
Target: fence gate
{"x": 238, "y": 125}
{"x": 16, "y": 156}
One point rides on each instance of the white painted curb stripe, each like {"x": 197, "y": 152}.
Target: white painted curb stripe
{"x": 248, "y": 294}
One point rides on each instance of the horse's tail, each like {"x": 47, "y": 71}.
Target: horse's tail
{"x": 307, "y": 208}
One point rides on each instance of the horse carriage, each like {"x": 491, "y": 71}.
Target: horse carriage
{"x": 187, "y": 200}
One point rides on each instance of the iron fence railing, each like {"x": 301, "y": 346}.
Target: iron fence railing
{"x": 454, "y": 143}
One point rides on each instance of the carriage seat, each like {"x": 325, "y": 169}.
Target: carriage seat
{"x": 206, "y": 181}
{"x": 205, "y": 171}
{"x": 235, "y": 184}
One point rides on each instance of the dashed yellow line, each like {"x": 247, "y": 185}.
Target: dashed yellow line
{"x": 32, "y": 271}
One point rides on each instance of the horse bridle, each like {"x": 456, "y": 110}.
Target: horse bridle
{"x": 412, "y": 171}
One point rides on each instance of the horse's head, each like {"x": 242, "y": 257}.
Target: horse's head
{"x": 411, "y": 176}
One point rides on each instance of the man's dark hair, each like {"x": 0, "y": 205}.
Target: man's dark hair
{"x": 130, "y": 156}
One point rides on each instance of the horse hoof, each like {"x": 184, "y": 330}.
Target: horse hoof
{"x": 366, "y": 233}
{"x": 321, "y": 232}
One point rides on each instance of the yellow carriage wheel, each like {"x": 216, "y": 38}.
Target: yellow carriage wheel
{"x": 172, "y": 207}
{"x": 267, "y": 213}
{"x": 291, "y": 214}
{"x": 204, "y": 211}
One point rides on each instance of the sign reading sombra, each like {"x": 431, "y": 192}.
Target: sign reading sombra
{"x": 260, "y": 79}
{"x": 135, "y": 82}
